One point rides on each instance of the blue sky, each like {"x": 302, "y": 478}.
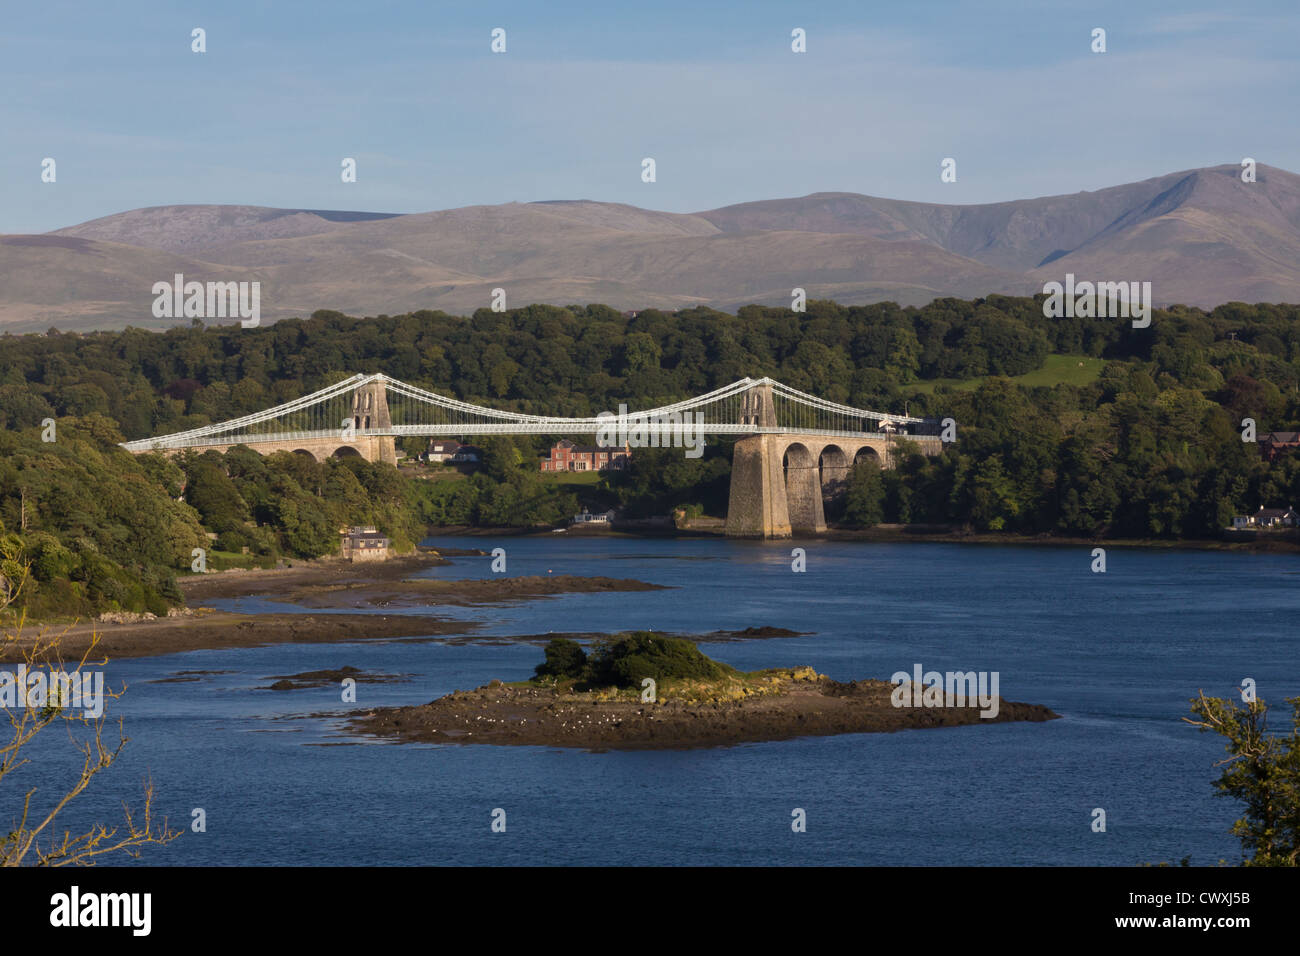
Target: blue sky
{"x": 287, "y": 89}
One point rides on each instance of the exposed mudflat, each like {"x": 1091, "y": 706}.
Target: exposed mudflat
{"x": 217, "y": 629}
{"x": 712, "y": 637}
{"x": 796, "y": 707}
{"x": 331, "y": 584}
{"x": 423, "y": 592}
{"x": 325, "y": 678}
{"x": 324, "y": 571}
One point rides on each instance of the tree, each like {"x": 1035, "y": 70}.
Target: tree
{"x": 309, "y": 530}
{"x": 1263, "y": 771}
{"x": 214, "y": 496}
{"x": 564, "y": 658}
{"x": 640, "y": 352}
{"x": 865, "y": 498}
{"x": 501, "y": 458}
{"x": 626, "y": 659}
{"x": 904, "y": 359}
{"x": 993, "y": 496}
{"x": 34, "y": 837}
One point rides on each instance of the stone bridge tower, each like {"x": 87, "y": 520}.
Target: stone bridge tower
{"x": 758, "y": 507}
{"x": 757, "y": 407}
{"x": 369, "y": 413}
{"x": 370, "y": 406}
{"x": 779, "y": 480}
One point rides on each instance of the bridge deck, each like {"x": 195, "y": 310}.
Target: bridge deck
{"x": 456, "y": 431}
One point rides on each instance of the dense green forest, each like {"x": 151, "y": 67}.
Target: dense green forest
{"x": 583, "y": 360}
{"x": 1151, "y": 448}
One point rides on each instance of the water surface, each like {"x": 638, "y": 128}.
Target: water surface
{"x": 1117, "y": 654}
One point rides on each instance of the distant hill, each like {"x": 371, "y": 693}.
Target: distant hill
{"x": 1202, "y": 237}
{"x": 195, "y": 229}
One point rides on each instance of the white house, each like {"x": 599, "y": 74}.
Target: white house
{"x": 599, "y": 517}
{"x": 442, "y": 450}
{"x": 1267, "y": 518}
{"x": 1275, "y": 518}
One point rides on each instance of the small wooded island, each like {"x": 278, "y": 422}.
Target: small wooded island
{"x": 601, "y": 701}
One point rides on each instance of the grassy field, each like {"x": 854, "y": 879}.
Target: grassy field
{"x": 584, "y": 479}
{"x": 1058, "y": 370}
{"x": 224, "y": 560}
{"x": 436, "y": 472}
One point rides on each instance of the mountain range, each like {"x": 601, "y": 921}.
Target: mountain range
{"x": 1201, "y": 237}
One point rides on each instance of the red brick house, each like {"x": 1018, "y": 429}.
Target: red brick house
{"x": 1274, "y": 444}
{"x": 567, "y": 456}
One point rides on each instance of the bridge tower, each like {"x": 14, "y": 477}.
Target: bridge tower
{"x": 758, "y": 506}
{"x": 757, "y": 407}
{"x": 370, "y": 413}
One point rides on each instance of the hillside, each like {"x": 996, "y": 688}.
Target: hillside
{"x": 1201, "y": 237}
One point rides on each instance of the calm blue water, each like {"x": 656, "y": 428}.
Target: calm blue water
{"x": 1117, "y": 654}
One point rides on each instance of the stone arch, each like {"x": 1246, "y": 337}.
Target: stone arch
{"x": 803, "y": 489}
{"x": 346, "y": 451}
{"x": 833, "y": 466}
{"x": 796, "y": 455}
{"x": 833, "y": 480}
{"x": 304, "y": 451}
{"x": 867, "y": 453}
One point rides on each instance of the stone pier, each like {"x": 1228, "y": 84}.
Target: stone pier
{"x": 779, "y": 481}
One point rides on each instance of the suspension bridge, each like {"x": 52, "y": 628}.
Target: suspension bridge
{"x": 793, "y": 450}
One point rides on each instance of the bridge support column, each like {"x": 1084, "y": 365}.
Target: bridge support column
{"x": 757, "y": 508}
{"x": 383, "y": 448}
